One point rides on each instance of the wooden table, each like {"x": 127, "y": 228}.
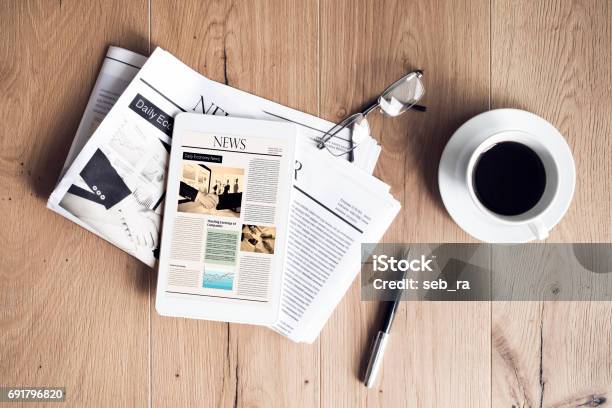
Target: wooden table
{"x": 79, "y": 313}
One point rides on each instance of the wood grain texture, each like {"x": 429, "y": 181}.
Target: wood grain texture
{"x": 268, "y": 48}
{"x": 192, "y": 361}
{"x": 78, "y": 312}
{"x": 552, "y": 58}
{"x": 274, "y": 55}
{"x": 73, "y": 309}
{"x": 364, "y": 47}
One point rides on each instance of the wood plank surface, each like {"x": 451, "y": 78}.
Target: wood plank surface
{"x": 268, "y": 48}
{"x": 74, "y": 309}
{"x": 552, "y": 58}
{"x": 191, "y": 360}
{"x": 78, "y": 312}
{"x": 437, "y": 353}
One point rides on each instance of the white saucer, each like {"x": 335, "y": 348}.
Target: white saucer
{"x": 453, "y": 165}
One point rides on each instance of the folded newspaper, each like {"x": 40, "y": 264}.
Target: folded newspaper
{"x": 114, "y": 180}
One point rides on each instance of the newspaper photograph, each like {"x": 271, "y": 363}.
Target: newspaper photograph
{"x": 212, "y": 190}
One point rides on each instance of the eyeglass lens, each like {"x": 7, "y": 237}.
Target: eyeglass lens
{"x": 401, "y": 95}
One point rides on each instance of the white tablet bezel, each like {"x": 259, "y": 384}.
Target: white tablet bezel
{"x": 213, "y": 308}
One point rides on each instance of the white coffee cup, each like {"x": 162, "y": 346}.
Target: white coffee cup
{"x": 533, "y": 217}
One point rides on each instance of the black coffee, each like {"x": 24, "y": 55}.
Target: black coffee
{"x": 509, "y": 178}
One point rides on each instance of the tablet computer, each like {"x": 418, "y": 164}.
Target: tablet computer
{"x": 225, "y": 218}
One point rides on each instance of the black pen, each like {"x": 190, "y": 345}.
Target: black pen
{"x": 380, "y": 341}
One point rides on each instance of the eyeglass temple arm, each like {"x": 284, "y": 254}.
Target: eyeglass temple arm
{"x": 372, "y": 106}
{"x": 331, "y": 133}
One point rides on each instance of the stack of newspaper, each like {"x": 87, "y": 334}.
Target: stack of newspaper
{"x": 114, "y": 182}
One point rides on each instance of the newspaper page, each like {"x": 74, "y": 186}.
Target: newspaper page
{"x": 226, "y": 214}
{"x": 119, "y": 67}
{"x": 115, "y": 186}
{"x": 334, "y": 209}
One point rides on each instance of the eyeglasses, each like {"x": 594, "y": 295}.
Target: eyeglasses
{"x": 402, "y": 95}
